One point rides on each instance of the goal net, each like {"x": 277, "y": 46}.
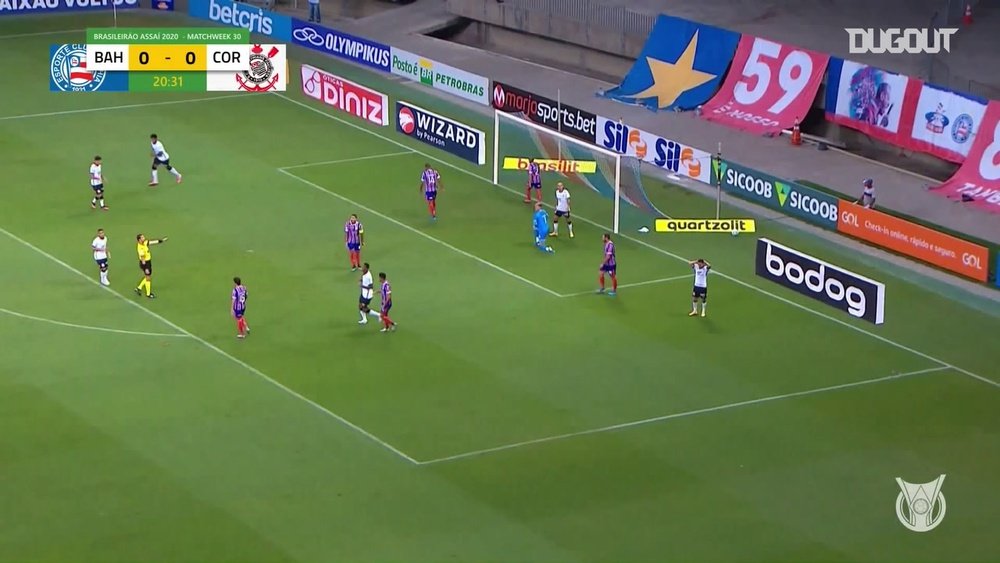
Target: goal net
{"x": 571, "y": 161}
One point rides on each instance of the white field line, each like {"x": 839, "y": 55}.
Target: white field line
{"x": 219, "y": 351}
{"x": 418, "y": 232}
{"x": 628, "y": 285}
{"x": 346, "y": 160}
{"x": 640, "y": 242}
{"x": 645, "y": 421}
{"x": 109, "y": 108}
{"x": 41, "y": 33}
{"x": 94, "y": 328}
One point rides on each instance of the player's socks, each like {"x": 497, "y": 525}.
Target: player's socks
{"x": 703, "y": 305}
{"x": 156, "y": 178}
{"x": 374, "y": 313}
{"x": 176, "y": 174}
{"x": 614, "y": 283}
{"x": 93, "y": 203}
{"x": 555, "y": 229}
{"x": 149, "y": 288}
{"x": 569, "y": 227}
{"x": 364, "y": 318}
{"x": 101, "y": 203}
{"x": 527, "y": 195}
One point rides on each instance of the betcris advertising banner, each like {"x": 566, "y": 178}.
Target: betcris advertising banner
{"x": 68, "y": 72}
{"x": 246, "y": 16}
{"x": 438, "y": 131}
{"x": 683, "y": 160}
{"x": 769, "y": 86}
{"x": 440, "y": 76}
{"x": 679, "y": 68}
{"x": 977, "y": 180}
{"x": 15, "y": 7}
{"x": 944, "y": 122}
{"x": 876, "y": 102}
{"x": 341, "y": 45}
{"x": 787, "y": 197}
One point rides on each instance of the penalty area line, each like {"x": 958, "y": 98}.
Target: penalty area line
{"x": 707, "y": 410}
{"x": 93, "y": 328}
{"x": 636, "y": 284}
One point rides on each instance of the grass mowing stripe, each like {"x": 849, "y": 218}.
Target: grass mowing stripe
{"x": 645, "y": 421}
{"x": 416, "y": 231}
{"x": 346, "y": 160}
{"x": 109, "y": 108}
{"x": 219, "y": 351}
{"x": 636, "y": 284}
{"x": 41, "y": 33}
{"x": 93, "y": 328}
{"x": 735, "y": 280}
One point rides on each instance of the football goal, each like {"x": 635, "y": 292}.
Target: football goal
{"x": 516, "y": 141}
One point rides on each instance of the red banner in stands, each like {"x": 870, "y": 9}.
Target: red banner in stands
{"x": 977, "y": 181}
{"x": 768, "y": 87}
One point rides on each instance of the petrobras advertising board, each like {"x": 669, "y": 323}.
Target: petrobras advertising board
{"x": 683, "y": 160}
{"x": 341, "y": 45}
{"x": 15, "y": 7}
{"x": 841, "y": 289}
{"x": 440, "y": 76}
{"x": 246, "y": 16}
{"x": 441, "y": 132}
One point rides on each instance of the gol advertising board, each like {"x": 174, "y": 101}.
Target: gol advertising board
{"x": 440, "y": 76}
{"x": 441, "y": 132}
{"x": 916, "y": 241}
{"x": 681, "y": 159}
{"x": 787, "y": 197}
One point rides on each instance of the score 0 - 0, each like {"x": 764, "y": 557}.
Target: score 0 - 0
{"x": 139, "y": 58}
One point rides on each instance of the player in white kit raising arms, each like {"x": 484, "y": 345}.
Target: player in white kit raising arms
{"x": 161, "y": 158}
{"x": 101, "y": 255}
{"x": 97, "y": 183}
{"x": 700, "y": 292}
{"x": 562, "y": 210}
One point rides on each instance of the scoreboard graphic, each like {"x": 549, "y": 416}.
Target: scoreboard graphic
{"x": 168, "y": 60}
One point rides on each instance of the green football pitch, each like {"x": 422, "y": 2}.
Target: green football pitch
{"x": 515, "y": 415}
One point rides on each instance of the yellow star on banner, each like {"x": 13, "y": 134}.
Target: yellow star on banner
{"x": 670, "y": 80}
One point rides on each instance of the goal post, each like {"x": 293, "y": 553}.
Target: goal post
{"x": 577, "y": 163}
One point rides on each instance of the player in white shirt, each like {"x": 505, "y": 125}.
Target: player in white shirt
{"x": 700, "y": 292}
{"x": 101, "y": 255}
{"x": 367, "y": 293}
{"x": 97, "y": 184}
{"x": 562, "y": 210}
{"x": 161, "y": 157}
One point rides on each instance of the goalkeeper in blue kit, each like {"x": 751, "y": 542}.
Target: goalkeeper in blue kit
{"x": 541, "y": 227}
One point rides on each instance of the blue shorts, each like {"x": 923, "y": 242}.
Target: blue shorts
{"x": 700, "y": 293}
{"x": 536, "y": 185}
{"x": 98, "y": 188}
{"x": 238, "y": 313}
{"x": 354, "y": 246}
{"x": 609, "y": 269}
{"x": 103, "y": 262}
{"x": 430, "y": 196}
{"x": 386, "y": 307}
{"x": 541, "y": 234}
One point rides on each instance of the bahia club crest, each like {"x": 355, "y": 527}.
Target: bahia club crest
{"x": 267, "y": 72}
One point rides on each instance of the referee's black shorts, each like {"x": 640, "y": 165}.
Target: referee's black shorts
{"x": 146, "y": 267}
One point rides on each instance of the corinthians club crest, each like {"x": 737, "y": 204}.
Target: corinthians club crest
{"x": 920, "y": 506}
{"x": 262, "y": 76}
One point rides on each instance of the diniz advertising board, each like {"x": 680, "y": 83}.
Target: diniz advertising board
{"x": 345, "y": 95}
{"x": 547, "y": 112}
{"x": 836, "y": 287}
{"x": 683, "y": 160}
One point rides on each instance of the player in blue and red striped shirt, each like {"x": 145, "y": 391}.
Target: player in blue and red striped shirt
{"x": 354, "y": 239}
{"x": 609, "y": 266}
{"x": 386, "y": 291}
{"x": 534, "y": 181}
{"x": 430, "y": 183}
{"x": 240, "y": 307}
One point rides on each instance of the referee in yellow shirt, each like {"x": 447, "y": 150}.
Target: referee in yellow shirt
{"x": 146, "y": 264}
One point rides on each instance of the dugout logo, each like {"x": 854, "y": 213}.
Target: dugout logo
{"x": 68, "y": 70}
{"x": 841, "y": 289}
{"x": 544, "y": 111}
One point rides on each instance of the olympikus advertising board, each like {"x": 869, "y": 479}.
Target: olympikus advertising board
{"x": 916, "y": 241}
{"x": 441, "y": 132}
{"x": 547, "y": 112}
{"x": 769, "y": 86}
{"x": 15, "y": 7}
{"x": 68, "y": 72}
{"x": 246, "y": 16}
{"x": 977, "y": 181}
{"x": 945, "y": 122}
{"x": 681, "y": 159}
{"x": 440, "y": 76}
{"x": 876, "y": 102}
{"x": 787, "y": 197}
{"x": 680, "y": 67}
{"x": 341, "y": 45}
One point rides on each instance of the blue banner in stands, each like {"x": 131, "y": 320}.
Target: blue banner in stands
{"x": 679, "y": 68}
{"x": 16, "y": 7}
